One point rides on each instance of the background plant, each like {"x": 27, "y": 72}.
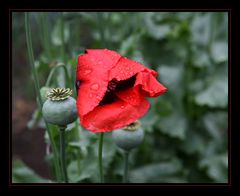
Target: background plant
{"x": 185, "y": 130}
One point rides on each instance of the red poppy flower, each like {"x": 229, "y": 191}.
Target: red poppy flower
{"x": 112, "y": 90}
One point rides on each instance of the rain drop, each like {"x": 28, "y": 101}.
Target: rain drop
{"x": 131, "y": 73}
{"x": 122, "y": 106}
{"x": 98, "y": 97}
{"x": 95, "y": 86}
{"x": 87, "y": 71}
{"x": 90, "y": 95}
{"x": 129, "y": 97}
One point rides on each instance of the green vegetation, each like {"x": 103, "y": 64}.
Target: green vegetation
{"x": 186, "y": 129}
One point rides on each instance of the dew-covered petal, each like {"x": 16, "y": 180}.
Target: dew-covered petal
{"x": 96, "y": 63}
{"x": 124, "y": 69}
{"x": 92, "y": 72}
{"x": 149, "y": 85}
{"x": 89, "y": 95}
{"x": 131, "y": 96}
{"x": 113, "y": 116}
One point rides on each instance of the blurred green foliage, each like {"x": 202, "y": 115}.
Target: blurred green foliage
{"x": 186, "y": 129}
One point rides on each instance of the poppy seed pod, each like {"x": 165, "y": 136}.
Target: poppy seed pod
{"x": 129, "y": 137}
{"x": 60, "y": 108}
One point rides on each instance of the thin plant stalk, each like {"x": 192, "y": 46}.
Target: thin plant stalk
{"x": 53, "y": 70}
{"x": 37, "y": 89}
{"x": 62, "y": 36}
{"x": 125, "y": 176}
{"x": 62, "y": 154}
{"x": 100, "y": 147}
{"x": 45, "y": 34}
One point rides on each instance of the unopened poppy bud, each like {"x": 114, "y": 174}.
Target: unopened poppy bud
{"x": 60, "y": 108}
{"x": 129, "y": 137}
{"x": 43, "y": 92}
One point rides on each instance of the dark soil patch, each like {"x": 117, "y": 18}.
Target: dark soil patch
{"x": 28, "y": 145}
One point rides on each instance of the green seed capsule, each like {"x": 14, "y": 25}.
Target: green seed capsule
{"x": 129, "y": 137}
{"x": 60, "y": 109}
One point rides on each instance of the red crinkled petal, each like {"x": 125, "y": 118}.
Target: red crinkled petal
{"x": 149, "y": 85}
{"x": 95, "y": 70}
{"x": 113, "y": 116}
{"x": 96, "y": 63}
{"x": 125, "y": 68}
{"x": 131, "y": 96}
{"x": 89, "y": 95}
{"x": 92, "y": 71}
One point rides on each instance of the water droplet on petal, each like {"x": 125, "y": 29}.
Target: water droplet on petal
{"x": 151, "y": 92}
{"x": 100, "y": 62}
{"x": 87, "y": 71}
{"x": 121, "y": 71}
{"x": 142, "y": 69}
{"x": 90, "y": 95}
{"x": 129, "y": 97}
{"x": 122, "y": 106}
{"x": 131, "y": 73}
{"x": 98, "y": 97}
{"x": 95, "y": 86}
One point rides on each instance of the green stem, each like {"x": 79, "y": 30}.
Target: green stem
{"x": 125, "y": 177}
{"x": 31, "y": 57}
{"x": 100, "y": 157}
{"x": 62, "y": 36}
{"x": 45, "y": 34}
{"x": 62, "y": 154}
{"x": 37, "y": 89}
{"x": 55, "y": 153}
{"x": 78, "y": 161}
{"x": 50, "y": 76}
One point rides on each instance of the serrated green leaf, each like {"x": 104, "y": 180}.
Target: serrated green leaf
{"x": 217, "y": 167}
{"x": 219, "y": 51}
{"x": 158, "y": 172}
{"x": 194, "y": 143}
{"x": 216, "y": 124}
{"x": 201, "y": 28}
{"x": 157, "y": 31}
{"x": 171, "y": 75}
{"x": 174, "y": 126}
{"x": 215, "y": 95}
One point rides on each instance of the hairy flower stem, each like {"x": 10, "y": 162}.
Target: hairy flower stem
{"x": 125, "y": 177}
{"x": 62, "y": 154}
{"x": 100, "y": 157}
{"x": 37, "y": 89}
